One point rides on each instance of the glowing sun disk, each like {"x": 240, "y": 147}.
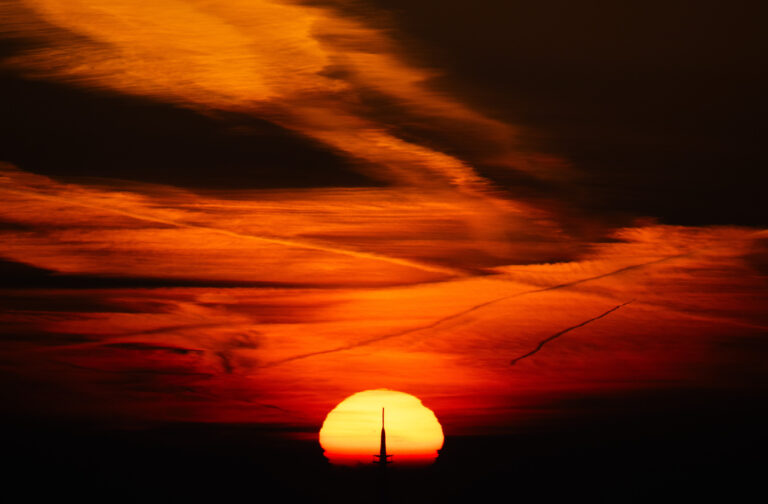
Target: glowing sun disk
{"x": 350, "y": 433}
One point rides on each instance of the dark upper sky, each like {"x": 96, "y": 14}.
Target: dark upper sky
{"x": 658, "y": 105}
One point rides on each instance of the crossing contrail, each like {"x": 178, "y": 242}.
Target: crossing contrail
{"x": 474, "y": 308}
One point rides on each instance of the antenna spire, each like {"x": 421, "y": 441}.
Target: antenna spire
{"x": 383, "y": 458}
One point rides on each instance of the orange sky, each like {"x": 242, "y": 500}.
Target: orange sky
{"x": 271, "y": 305}
{"x": 352, "y": 299}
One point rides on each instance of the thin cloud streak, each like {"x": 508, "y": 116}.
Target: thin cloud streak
{"x": 265, "y": 239}
{"x": 564, "y": 331}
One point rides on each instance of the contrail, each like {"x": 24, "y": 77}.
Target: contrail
{"x": 471, "y": 309}
{"x": 558, "y": 334}
{"x": 260, "y": 238}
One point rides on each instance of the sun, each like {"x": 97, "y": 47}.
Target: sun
{"x": 351, "y": 432}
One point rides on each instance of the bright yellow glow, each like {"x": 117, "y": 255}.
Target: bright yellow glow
{"x": 351, "y": 431}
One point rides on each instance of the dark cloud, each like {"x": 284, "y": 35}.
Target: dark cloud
{"x": 758, "y": 256}
{"x": 13, "y": 227}
{"x": 24, "y": 335}
{"x": 17, "y": 275}
{"x": 226, "y": 362}
{"x": 61, "y": 131}
{"x": 136, "y": 373}
{"x": 227, "y": 352}
{"x": 149, "y": 347}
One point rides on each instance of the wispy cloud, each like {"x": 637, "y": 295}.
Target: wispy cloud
{"x": 304, "y": 67}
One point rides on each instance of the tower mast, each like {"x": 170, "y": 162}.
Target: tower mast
{"x": 383, "y": 458}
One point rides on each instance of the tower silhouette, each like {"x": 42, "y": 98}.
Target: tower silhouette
{"x": 382, "y": 458}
